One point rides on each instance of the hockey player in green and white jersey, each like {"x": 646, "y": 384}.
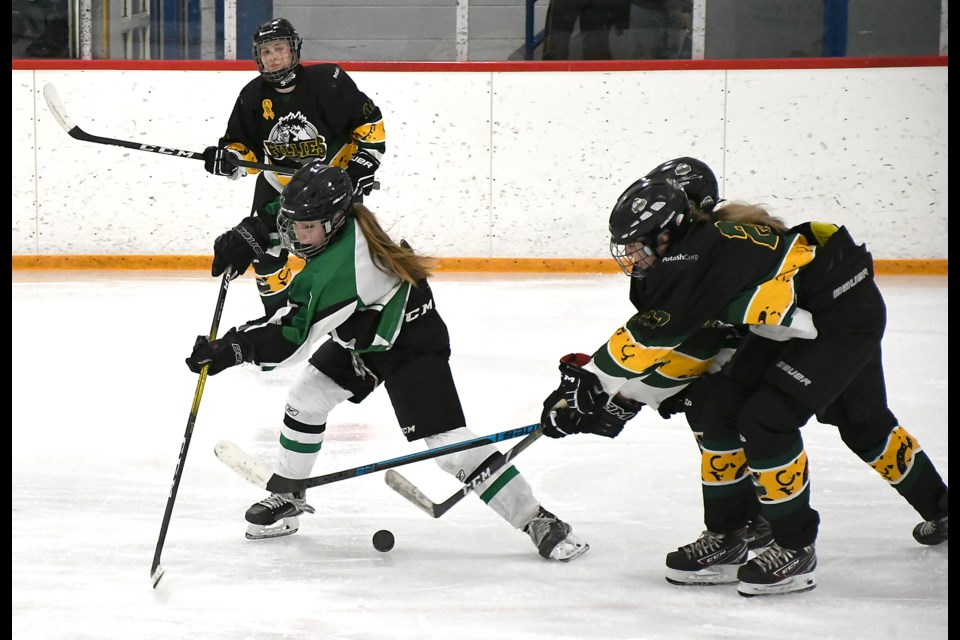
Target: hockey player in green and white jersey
{"x": 371, "y": 296}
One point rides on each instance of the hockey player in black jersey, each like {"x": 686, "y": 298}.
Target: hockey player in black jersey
{"x": 288, "y": 115}
{"x": 371, "y": 298}
{"x": 816, "y": 319}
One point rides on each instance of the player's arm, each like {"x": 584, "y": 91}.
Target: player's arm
{"x": 238, "y": 142}
{"x": 363, "y": 124}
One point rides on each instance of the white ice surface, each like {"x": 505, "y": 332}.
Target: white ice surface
{"x": 101, "y": 400}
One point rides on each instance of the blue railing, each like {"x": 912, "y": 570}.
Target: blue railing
{"x": 531, "y": 40}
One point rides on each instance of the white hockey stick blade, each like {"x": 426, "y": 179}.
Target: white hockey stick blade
{"x": 56, "y": 107}
{"x": 244, "y": 466}
{"x": 406, "y": 488}
{"x": 156, "y": 575}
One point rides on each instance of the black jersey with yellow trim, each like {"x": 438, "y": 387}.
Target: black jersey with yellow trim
{"x": 725, "y": 272}
{"x": 325, "y": 116}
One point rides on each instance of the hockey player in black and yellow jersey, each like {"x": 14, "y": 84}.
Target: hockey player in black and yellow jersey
{"x": 289, "y": 115}
{"x": 368, "y": 298}
{"x": 816, "y": 321}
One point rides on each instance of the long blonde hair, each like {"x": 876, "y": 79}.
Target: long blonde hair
{"x": 389, "y": 256}
{"x": 742, "y": 212}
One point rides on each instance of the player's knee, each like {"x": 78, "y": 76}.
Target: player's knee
{"x": 712, "y": 400}
{"x": 769, "y": 410}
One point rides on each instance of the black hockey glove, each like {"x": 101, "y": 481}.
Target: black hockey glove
{"x": 238, "y": 247}
{"x": 677, "y": 403}
{"x": 361, "y": 168}
{"x": 232, "y": 349}
{"x": 580, "y": 388}
{"x": 559, "y": 421}
{"x": 579, "y": 393}
{"x": 610, "y": 420}
{"x": 216, "y": 160}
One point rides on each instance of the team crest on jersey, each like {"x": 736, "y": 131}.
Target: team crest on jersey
{"x": 654, "y": 318}
{"x": 295, "y": 137}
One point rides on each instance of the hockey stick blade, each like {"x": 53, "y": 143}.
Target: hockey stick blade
{"x": 434, "y": 509}
{"x": 245, "y": 466}
{"x": 55, "y": 105}
{"x": 155, "y": 575}
{"x": 257, "y": 474}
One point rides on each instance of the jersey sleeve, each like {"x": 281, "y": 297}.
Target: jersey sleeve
{"x": 736, "y": 274}
{"x": 358, "y": 117}
{"x": 241, "y": 133}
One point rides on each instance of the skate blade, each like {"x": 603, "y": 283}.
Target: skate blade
{"x": 286, "y": 527}
{"x": 567, "y": 550}
{"x": 718, "y": 574}
{"x": 796, "y": 584}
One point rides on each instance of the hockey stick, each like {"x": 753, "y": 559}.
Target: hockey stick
{"x": 252, "y": 471}
{"x": 156, "y": 571}
{"x": 58, "y": 111}
{"x": 407, "y": 489}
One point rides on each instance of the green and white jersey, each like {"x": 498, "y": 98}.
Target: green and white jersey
{"x": 341, "y": 292}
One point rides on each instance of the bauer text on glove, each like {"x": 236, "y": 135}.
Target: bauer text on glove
{"x": 361, "y": 168}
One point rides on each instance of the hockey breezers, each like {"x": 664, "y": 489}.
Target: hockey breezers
{"x": 407, "y": 489}
{"x": 258, "y": 474}
{"x": 60, "y": 113}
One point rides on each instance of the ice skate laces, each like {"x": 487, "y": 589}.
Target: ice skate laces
{"x": 773, "y": 557}
{"x": 702, "y": 546}
{"x": 277, "y": 500}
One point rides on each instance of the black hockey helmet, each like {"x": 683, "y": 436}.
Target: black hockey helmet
{"x": 694, "y": 177}
{"x": 316, "y": 193}
{"x": 648, "y": 208}
{"x": 278, "y": 29}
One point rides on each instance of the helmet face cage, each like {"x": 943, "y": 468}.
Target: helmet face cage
{"x": 317, "y": 193}
{"x": 626, "y": 259}
{"x": 288, "y": 234}
{"x": 273, "y": 31}
{"x": 696, "y": 179}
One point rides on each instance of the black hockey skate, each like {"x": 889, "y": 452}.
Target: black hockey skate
{"x": 934, "y": 531}
{"x": 276, "y": 515}
{"x": 714, "y": 558}
{"x": 553, "y": 537}
{"x": 777, "y": 570}
{"x": 759, "y": 533}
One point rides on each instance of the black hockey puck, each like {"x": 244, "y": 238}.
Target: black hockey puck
{"x": 383, "y": 540}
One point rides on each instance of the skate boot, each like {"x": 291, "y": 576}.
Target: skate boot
{"x": 933, "y": 531}
{"x": 714, "y": 558}
{"x": 759, "y": 533}
{"x": 553, "y": 537}
{"x": 276, "y": 515}
{"x": 777, "y": 570}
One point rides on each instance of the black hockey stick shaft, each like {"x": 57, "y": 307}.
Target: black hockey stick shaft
{"x": 280, "y": 484}
{"x": 59, "y": 112}
{"x": 155, "y": 571}
{"x": 436, "y": 509}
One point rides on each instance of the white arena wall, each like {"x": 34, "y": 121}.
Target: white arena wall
{"x": 498, "y": 164}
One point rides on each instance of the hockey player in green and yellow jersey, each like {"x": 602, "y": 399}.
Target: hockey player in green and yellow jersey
{"x": 289, "y": 115}
{"x": 370, "y": 295}
{"x": 816, "y": 321}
